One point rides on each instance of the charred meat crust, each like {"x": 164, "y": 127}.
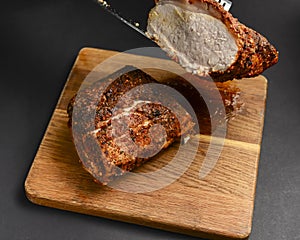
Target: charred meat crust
{"x": 255, "y": 53}
{"x": 106, "y": 160}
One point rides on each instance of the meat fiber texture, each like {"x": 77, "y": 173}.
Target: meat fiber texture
{"x": 206, "y": 40}
{"x": 123, "y": 133}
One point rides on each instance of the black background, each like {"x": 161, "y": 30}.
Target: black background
{"x": 39, "y": 42}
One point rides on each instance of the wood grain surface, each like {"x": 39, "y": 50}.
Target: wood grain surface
{"x": 219, "y": 206}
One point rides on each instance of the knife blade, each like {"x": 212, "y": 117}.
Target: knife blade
{"x": 133, "y": 24}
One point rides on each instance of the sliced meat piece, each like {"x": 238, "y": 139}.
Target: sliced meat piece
{"x": 206, "y": 39}
{"x": 126, "y": 130}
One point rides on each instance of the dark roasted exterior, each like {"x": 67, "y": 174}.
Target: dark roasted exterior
{"x": 106, "y": 160}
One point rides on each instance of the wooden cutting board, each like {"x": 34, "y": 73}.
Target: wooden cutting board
{"x": 220, "y": 206}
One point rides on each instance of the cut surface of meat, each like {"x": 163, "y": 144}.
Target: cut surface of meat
{"x": 205, "y": 39}
{"x": 205, "y": 35}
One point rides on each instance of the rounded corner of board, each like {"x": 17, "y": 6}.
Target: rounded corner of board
{"x": 264, "y": 78}
{"x": 29, "y": 192}
{"x": 84, "y": 50}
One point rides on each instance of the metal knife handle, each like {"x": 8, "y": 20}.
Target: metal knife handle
{"x": 225, "y": 3}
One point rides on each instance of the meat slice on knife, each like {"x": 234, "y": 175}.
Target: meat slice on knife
{"x": 206, "y": 39}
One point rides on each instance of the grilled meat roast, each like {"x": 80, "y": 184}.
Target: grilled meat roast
{"x": 124, "y": 132}
{"x": 206, "y": 39}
